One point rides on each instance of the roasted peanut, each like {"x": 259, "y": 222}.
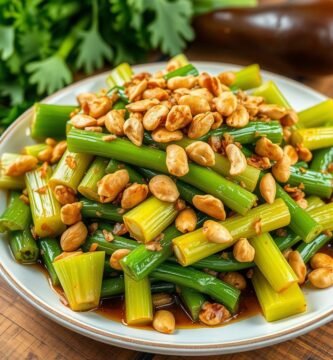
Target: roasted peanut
{"x": 99, "y": 106}
{"x": 243, "y": 251}
{"x": 216, "y": 233}
{"x": 64, "y": 195}
{"x": 281, "y": 169}
{"x": 213, "y": 314}
{"x": 71, "y": 213}
{"x": 163, "y": 135}
{"x": 134, "y": 195}
{"x": 80, "y": 121}
{"x": 290, "y": 119}
{"x": 173, "y": 64}
{"x": 142, "y": 105}
{"x": 114, "y": 121}
{"x": 226, "y": 103}
{"x": 235, "y": 279}
{"x": 111, "y": 185}
{"x": 215, "y": 143}
{"x": 133, "y": 129}
{"x": 237, "y": 159}
{"x": 203, "y": 93}
{"x": 178, "y": 117}
{"x": 292, "y": 153}
{"x": 72, "y": 238}
{"x": 85, "y": 98}
{"x": 156, "y": 83}
{"x": 227, "y": 77}
{"x": 58, "y": 151}
{"x": 200, "y": 125}
{"x": 186, "y": 220}
{"x": 321, "y": 278}
{"x": 267, "y": 188}
{"x": 155, "y": 93}
{"x": 265, "y": 147}
{"x": 272, "y": 111}
{"x": 218, "y": 120}
{"x": 136, "y": 90}
{"x": 177, "y": 82}
{"x": 201, "y": 153}
{"x": 197, "y": 104}
{"x": 50, "y": 142}
{"x": 321, "y": 260}
{"x": 116, "y": 257}
{"x": 155, "y": 116}
{"x": 297, "y": 264}
{"x": 176, "y": 160}
{"x": 163, "y": 188}
{"x": 164, "y": 322}
{"x": 212, "y": 83}
{"x": 97, "y": 129}
{"x": 239, "y": 118}
{"x": 210, "y": 205}
{"x": 304, "y": 153}
{"x": 46, "y": 154}
{"x": 21, "y": 165}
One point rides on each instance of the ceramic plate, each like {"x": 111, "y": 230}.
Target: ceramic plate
{"x": 243, "y": 335}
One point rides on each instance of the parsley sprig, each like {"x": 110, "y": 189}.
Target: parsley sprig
{"x": 42, "y": 42}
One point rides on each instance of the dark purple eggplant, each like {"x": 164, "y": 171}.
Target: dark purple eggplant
{"x": 297, "y": 33}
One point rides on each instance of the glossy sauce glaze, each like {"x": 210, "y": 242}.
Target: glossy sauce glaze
{"x": 114, "y": 308}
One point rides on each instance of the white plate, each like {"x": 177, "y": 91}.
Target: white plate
{"x": 239, "y": 336}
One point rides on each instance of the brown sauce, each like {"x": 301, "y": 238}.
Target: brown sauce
{"x": 114, "y": 308}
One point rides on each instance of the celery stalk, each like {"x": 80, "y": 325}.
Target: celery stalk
{"x": 70, "y": 170}
{"x": 272, "y": 263}
{"x": 313, "y": 138}
{"x": 81, "y": 278}
{"x": 192, "y": 247}
{"x": 316, "y": 115}
{"x": 119, "y": 75}
{"x": 9, "y": 182}
{"x": 149, "y": 219}
{"x": 88, "y": 185}
{"x": 274, "y": 305}
{"x": 45, "y": 208}
{"x": 272, "y": 94}
{"x": 138, "y": 301}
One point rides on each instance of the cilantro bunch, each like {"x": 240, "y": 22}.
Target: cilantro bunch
{"x": 43, "y": 42}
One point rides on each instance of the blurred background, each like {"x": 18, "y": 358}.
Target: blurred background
{"x": 47, "y": 44}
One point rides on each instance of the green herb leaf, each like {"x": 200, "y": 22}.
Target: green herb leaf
{"x": 92, "y": 51}
{"x": 49, "y": 75}
{"x": 171, "y": 25}
{"x": 14, "y": 91}
{"x": 7, "y": 36}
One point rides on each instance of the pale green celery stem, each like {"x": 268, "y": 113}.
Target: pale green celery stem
{"x": 9, "y": 182}
{"x": 45, "y": 208}
{"x": 272, "y": 94}
{"x": 192, "y": 247}
{"x": 70, "y": 170}
{"x": 138, "y": 301}
{"x": 316, "y": 115}
{"x": 88, "y": 185}
{"x": 272, "y": 264}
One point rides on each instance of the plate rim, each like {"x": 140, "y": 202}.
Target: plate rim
{"x": 134, "y": 343}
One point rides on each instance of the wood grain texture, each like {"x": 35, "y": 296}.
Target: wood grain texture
{"x": 26, "y": 334}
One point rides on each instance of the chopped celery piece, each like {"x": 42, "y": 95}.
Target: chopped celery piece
{"x": 81, "y": 278}
{"x": 149, "y": 219}
{"x": 278, "y": 305}
{"x": 119, "y": 75}
{"x": 138, "y": 301}
{"x": 272, "y": 94}
{"x": 9, "y": 182}
{"x": 272, "y": 263}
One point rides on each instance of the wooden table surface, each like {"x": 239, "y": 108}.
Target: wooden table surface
{"x": 26, "y": 334}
